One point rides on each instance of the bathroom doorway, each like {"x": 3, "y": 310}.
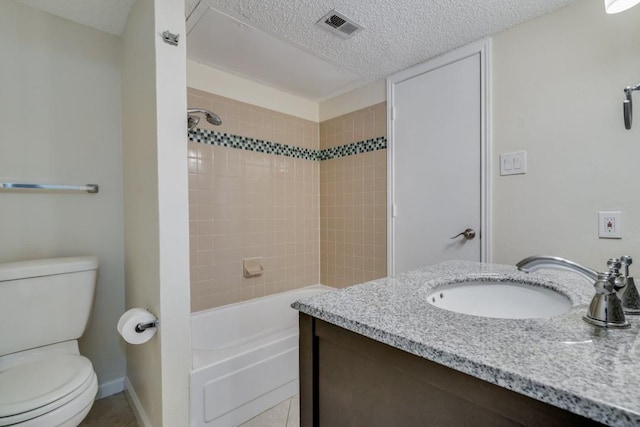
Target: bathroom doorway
{"x": 438, "y": 174}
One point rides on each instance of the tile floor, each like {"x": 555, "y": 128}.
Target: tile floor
{"x": 286, "y": 414}
{"x": 115, "y": 411}
{"x": 112, "y": 411}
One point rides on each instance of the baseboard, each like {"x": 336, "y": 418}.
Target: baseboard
{"x": 136, "y": 406}
{"x": 108, "y": 388}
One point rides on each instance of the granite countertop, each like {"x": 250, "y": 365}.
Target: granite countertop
{"x": 562, "y": 360}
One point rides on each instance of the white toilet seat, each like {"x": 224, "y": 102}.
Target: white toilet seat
{"x": 47, "y": 392}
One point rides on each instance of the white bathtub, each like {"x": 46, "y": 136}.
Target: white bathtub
{"x": 245, "y": 358}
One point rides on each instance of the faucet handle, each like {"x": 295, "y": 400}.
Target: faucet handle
{"x": 626, "y": 262}
{"x": 604, "y": 285}
{"x": 614, "y": 265}
{"x": 608, "y": 283}
{"x": 616, "y": 279}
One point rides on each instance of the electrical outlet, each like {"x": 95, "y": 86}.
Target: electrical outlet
{"x": 610, "y": 224}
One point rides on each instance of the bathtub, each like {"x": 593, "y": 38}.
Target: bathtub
{"x": 245, "y": 358}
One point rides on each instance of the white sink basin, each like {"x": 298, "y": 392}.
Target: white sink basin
{"x": 499, "y": 299}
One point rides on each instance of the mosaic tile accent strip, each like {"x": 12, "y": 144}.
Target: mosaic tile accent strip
{"x": 375, "y": 144}
{"x": 204, "y": 136}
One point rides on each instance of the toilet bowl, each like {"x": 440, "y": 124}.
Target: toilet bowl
{"x": 44, "y": 308}
{"x": 58, "y": 391}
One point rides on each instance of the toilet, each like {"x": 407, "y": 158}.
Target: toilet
{"x": 44, "y": 308}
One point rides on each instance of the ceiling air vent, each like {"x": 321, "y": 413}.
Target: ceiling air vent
{"x": 339, "y": 24}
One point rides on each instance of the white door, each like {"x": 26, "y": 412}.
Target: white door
{"x": 437, "y": 157}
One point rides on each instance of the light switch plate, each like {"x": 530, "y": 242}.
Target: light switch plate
{"x": 514, "y": 163}
{"x": 610, "y": 224}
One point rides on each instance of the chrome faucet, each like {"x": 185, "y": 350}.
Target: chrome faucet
{"x": 605, "y": 309}
{"x": 534, "y": 263}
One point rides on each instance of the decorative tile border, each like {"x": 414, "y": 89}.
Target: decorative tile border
{"x": 366, "y": 146}
{"x": 204, "y": 136}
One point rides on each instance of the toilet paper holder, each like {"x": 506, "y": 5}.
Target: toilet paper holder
{"x": 141, "y": 327}
{"x": 137, "y": 325}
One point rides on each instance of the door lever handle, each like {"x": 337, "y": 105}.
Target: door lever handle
{"x": 468, "y": 234}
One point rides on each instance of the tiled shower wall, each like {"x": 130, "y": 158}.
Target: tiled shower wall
{"x": 353, "y": 201}
{"x": 250, "y": 204}
{"x": 313, "y": 221}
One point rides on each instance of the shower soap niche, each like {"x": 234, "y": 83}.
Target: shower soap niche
{"x": 252, "y": 266}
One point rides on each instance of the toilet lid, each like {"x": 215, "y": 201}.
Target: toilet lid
{"x": 35, "y": 384}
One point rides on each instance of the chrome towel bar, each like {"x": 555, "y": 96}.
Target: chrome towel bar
{"x": 89, "y": 188}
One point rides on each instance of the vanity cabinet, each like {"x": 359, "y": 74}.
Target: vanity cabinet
{"x": 347, "y": 379}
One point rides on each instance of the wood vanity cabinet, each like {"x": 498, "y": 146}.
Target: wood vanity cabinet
{"x": 347, "y": 379}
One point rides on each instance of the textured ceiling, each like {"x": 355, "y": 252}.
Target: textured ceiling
{"x": 105, "y": 15}
{"x": 397, "y": 34}
{"x": 258, "y": 55}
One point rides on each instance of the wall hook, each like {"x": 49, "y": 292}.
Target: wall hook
{"x": 170, "y": 38}
{"x": 627, "y": 106}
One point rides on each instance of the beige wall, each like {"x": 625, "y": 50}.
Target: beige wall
{"x": 359, "y": 125}
{"x": 557, "y": 93}
{"x": 156, "y": 210}
{"x": 249, "y": 204}
{"x": 140, "y": 167}
{"x": 357, "y": 99}
{"x": 213, "y": 80}
{"x": 353, "y": 200}
{"x": 60, "y": 124}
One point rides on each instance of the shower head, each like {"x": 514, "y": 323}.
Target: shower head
{"x": 192, "y": 119}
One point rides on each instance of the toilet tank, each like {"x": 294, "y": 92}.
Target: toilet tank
{"x": 45, "y": 301}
